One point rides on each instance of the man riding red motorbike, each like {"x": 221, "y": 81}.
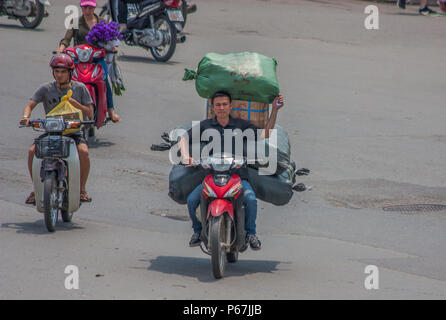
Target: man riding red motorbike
{"x": 221, "y": 105}
{"x": 88, "y": 71}
{"x": 86, "y": 23}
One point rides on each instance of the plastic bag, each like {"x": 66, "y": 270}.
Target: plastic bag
{"x": 116, "y": 78}
{"x": 245, "y": 76}
{"x": 66, "y": 111}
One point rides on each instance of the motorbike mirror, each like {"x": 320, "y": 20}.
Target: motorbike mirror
{"x": 300, "y": 187}
{"x": 303, "y": 172}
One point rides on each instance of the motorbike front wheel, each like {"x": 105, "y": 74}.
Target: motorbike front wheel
{"x": 38, "y": 12}
{"x": 50, "y": 202}
{"x": 165, "y": 51}
{"x": 218, "y": 253}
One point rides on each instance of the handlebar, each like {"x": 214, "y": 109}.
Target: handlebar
{"x": 204, "y": 164}
{"x": 32, "y": 122}
{"x": 106, "y": 51}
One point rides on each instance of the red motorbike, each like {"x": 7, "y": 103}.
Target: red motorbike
{"x": 88, "y": 71}
{"x": 222, "y": 211}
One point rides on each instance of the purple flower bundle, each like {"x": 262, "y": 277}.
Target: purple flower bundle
{"x": 103, "y": 32}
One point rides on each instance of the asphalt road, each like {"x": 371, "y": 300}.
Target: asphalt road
{"x": 364, "y": 111}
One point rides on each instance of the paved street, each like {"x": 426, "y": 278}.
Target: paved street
{"x": 364, "y": 110}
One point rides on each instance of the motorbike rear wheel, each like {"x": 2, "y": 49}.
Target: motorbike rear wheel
{"x": 66, "y": 216}
{"x": 50, "y": 201}
{"x": 184, "y": 12}
{"x": 218, "y": 252}
{"x": 89, "y": 130}
{"x": 164, "y": 52}
{"x": 39, "y": 10}
{"x": 105, "y": 13}
{"x": 232, "y": 256}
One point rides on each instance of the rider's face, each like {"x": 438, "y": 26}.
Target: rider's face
{"x": 61, "y": 75}
{"x": 222, "y": 106}
{"x": 88, "y": 11}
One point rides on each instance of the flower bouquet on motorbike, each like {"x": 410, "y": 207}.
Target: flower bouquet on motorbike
{"x": 107, "y": 36}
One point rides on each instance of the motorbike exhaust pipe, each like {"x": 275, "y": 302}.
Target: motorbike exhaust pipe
{"x": 181, "y": 39}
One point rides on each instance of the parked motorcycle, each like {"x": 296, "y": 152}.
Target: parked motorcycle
{"x": 56, "y": 170}
{"x": 91, "y": 73}
{"x": 105, "y": 12}
{"x": 155, "y": 25}
{"x": 29, "y": 12}
{"x": 222, "y": 212}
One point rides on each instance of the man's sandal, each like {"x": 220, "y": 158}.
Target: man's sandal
{"x": 85, "y": 197}
{"x": 31, "y": 199}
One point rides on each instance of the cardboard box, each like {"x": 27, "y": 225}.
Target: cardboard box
{"x": 256, "y": 113}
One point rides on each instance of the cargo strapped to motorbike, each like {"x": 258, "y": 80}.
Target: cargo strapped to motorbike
{"x": 250, "y": 79}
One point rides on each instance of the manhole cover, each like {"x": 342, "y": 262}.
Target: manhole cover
{"x": 416, "y": 208}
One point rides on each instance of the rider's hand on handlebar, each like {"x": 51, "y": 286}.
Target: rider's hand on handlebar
{"x": 25, "y": 122}
{"x": 60, "y": 49}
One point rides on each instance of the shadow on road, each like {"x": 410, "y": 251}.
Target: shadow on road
{"x": 18, "y": 27}
{"x": 405, "y": 14}
{"x": 145, "y": 60}
{"x": 98, "y": 143}
{"x": 200, "y": 268}
{"x": 38, "y": 227}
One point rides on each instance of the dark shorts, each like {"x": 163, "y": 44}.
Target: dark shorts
{"x": 78, "y": 137}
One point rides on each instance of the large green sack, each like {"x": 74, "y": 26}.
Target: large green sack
{"x": 245, "y": 76}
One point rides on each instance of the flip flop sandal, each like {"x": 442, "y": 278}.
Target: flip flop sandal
{"x": 31, "y": 199}
{"x": 85, "y": 197}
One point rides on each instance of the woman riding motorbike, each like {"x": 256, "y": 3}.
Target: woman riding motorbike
{"x": 86, "y": 22}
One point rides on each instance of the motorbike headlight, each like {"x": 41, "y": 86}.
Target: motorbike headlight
{"x": 234, "y": 191}
{"x": 84, "y": 54}
{"x": 221, "y": 179}
{"x": 54, "y": 125}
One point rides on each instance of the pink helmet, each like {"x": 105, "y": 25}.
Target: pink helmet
{"x": 86, "y": 3}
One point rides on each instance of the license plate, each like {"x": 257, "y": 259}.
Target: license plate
{"x": 175, "y": 15}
